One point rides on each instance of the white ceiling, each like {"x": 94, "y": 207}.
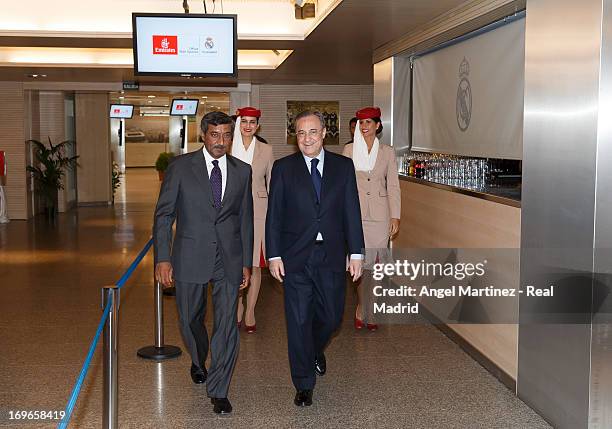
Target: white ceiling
{"x": 339, "y": 50}
{"x": 113, "y": 18}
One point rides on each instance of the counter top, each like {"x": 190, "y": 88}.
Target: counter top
{"x": 507, "y": 195}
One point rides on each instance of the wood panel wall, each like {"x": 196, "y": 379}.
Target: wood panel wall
{"x": 435, "y": 218}
{"x": 272, "y": 100}
{"x": 93, "y": 148}
{"x": 52, "y": 118}
{"x": 12, "y": 141}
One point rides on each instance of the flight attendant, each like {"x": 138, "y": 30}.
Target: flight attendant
{"x": 379, "y": 198}
{"x": 249, "y": 148}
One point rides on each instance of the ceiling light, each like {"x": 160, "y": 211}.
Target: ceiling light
{"x": 121, "y": 98}
{"x": 150, "y": 96}
{"x": 149, "y": 101}
{"x": 204, "y": 96}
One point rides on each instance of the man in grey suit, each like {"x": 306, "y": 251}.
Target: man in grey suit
{"x": 208, "y": 194}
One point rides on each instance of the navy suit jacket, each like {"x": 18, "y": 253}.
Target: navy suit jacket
{"x": 295, "y": 217}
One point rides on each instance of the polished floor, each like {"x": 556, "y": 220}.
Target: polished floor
{"x": 399, "y": 377}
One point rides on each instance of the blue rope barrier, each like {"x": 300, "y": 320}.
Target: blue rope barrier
{"x": 132, "y": 267}
{"x": 81, "y": 378}
{"x": 74, "y": 395}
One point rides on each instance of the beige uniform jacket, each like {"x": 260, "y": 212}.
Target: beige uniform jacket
{"x": 262, "y": 168}
{"x": 379, "y": 195}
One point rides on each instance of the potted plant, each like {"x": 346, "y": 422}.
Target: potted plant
{"x": 49, "y": 169}
{"x": 116, "y": 179}
{"x": 161, "y": 165}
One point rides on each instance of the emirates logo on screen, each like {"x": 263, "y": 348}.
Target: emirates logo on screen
{"x": 179, "y": 107}
{"x": 116, "y": 110}
{"x": 165, "y": 45}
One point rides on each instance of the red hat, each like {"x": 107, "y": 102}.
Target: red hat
{"x": 249, "y": 111}
{"x": 368, "y": 113}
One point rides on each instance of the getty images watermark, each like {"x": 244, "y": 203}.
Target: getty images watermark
{"x": 468, "y": 286}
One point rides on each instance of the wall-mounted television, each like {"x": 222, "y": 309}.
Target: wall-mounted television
{"x": 184, "y": 44}
{"x": 181, "y": 107}
{"x": 121, "y": 111}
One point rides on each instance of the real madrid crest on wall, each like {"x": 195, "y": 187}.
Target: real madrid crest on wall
{"x": 464, "y": 97}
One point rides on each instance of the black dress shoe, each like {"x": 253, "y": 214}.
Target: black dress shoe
{"x": 303, "y": 398}
{"x": 198, "y": 375}
{"x": 320, "y": 364}
{"x": 221, "y": 405}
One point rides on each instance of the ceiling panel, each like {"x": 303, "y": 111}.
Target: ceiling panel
{"x": 338, "y": 51}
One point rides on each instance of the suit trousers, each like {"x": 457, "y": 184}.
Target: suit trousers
{"x": 314, "y": 304}
{"x": 191, "y": 304}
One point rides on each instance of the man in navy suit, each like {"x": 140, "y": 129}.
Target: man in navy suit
{"x": 313, "y": 219}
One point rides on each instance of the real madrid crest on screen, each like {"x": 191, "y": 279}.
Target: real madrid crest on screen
{"x": 464, "y": 97}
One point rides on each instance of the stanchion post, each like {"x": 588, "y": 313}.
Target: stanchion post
{"x": 110, "y": 374}
{"x": 159, "y": 351}
{"x": 159, "y": 316}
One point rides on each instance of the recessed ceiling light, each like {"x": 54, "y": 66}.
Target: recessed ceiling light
{"x": 150, "y": 96}
{"x": 121, "y": 98}
{"x": 149, "y": 101}
{"x": 204, "y": 96}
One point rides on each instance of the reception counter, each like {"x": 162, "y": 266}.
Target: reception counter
{"x": 442, "y": 216}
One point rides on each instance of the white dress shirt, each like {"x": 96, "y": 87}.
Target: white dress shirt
{"x": 308, "y": 160}
{"x": 222, "y": 165}
{"x": 321, "y": 158}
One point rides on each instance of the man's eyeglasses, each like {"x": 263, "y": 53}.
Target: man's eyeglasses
{"x": 310, "y": 133}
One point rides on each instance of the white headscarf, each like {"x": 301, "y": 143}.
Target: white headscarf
{"x": 363, "y": 160}
{"x": 238, "y": 149}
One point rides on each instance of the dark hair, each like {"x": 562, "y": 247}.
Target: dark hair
{"x": 307, "y": 113}
{"x": 261, "y": 139}
{"x": 215, "y": 118}
{"x": 378, "y": 121}
{"x": 353, "y": 121}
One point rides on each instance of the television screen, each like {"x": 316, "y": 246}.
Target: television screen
{"x": 121, "y": 111}
{"x": 184, "y": 44}
{"x": 184, "y": 107}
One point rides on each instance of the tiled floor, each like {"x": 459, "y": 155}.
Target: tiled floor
{"x": 399, "y": 377}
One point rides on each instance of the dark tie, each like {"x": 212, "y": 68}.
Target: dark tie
{"x": 216, "y": 183}
{"x": 316, "y": 177}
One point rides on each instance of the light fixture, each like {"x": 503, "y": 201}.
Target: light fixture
{"x": 121, "y": 98}
{"x": 204, "y": 96}
{"x": 150, "y": 96}
{"x": 36, "y": 75}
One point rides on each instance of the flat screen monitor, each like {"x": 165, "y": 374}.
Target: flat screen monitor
{"x": 121, "y": 111}
{"x": 184, "y": 44}
{"x": 184, "y": 107}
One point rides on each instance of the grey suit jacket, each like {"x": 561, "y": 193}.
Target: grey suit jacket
{"x": 186, "y": 197}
